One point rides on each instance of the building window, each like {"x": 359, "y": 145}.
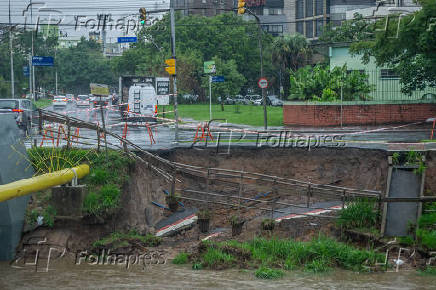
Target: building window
{"x": 319, "y": 27}
{"x": 309, "y": 8}
{"x": 300, "y": 27}
{"x": 275, "y": 11}
{"x": 300, "y": 9}
{"x": 319, "y": 7}
{"x": 309, "y": 29}
{"x": 388, "y": 74}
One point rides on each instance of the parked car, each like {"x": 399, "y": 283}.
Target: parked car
{"x": 253, "y": 98}
{"x": 273, "y": 101}
{"x": 429, "y": 96}
{"x": 258, "y": 102}
{"x": 99, "y": 101}
{"x": 21, "y": 108}
{"x": 189, "y": 99}
{"x": 242, "y": 100}
{"x": 60, "y": 101}
{"x": 82, "y": 100}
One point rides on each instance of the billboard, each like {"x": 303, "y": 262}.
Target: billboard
{"x": 99, "y": 89}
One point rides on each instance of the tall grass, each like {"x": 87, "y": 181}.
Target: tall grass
{"x": 215, "y": 257}
{"x": 358, "y": 214}
{"x": 318, "y": 255}
{"x": 181, "y": 258}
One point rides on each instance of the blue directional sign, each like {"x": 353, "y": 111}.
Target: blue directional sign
{"x": 26, "y": 71}
{"x": 218, "y": 79}
{"x": 42, "y": 61}
{"x": 127, "y": 39}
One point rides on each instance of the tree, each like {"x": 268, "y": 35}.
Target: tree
{"x": 81, "y": 65}
{"x": 226, "y": 37}
{"x": 322, "y": 84}
{"x": 289, "y": 54}
{"x": 406, "y": 44}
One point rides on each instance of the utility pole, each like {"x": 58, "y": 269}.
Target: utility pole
{"x": 12, "y": 54}
{"x": 210, "y": 97}
{"x": 173, "y": 49}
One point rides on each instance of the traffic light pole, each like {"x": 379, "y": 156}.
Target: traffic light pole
{"x": 265, "y": 115}
{"x": 173, "y": 49}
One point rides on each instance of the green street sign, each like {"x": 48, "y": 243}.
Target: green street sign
{"x": 209, "y": 67}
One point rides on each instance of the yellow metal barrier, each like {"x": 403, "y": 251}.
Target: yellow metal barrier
{"x": 41, "y": 182}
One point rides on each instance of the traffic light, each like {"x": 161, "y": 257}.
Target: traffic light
{"x": 142, "y": 15}
{"x": 171, "y": 66}
{"x": 241, "y": 7}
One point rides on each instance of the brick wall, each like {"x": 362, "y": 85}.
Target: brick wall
{"x": 374, "y": 114}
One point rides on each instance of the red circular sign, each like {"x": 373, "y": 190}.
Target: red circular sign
{"x": 262, "y": 83}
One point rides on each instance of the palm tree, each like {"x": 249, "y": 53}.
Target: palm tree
{"x": 290, "y": 53}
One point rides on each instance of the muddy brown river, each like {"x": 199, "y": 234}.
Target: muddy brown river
{"x": 67, "y": 275}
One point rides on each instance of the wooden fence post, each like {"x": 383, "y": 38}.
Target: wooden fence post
{"x": 98, "y": 139}
{"x": 308, "y": 195}
{"x": 40, "y": 122}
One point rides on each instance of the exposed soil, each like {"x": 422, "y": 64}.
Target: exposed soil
{"x": 363, "y": 169}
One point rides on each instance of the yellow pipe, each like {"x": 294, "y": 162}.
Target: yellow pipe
{"x": 41, "y": 182}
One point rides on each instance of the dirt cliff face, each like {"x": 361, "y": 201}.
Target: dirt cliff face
{"x": 355, "y": 168}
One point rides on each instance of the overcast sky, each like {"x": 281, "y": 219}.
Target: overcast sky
{"x": 66, "y": 10}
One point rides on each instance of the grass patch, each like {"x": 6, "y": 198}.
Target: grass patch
{"x": 214, "y": 258}
{"x": 43, "y": 103}
{"x": 246, "y": 114}
{"x": 181, "y": 258}
{"x": 268, "y": 273}
{"x": 318, "y": 255}
{"x": 358, "y": 214}
{"x": 119, "y": 240}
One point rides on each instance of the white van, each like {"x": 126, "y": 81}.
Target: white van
{"x": 142, "y": 104}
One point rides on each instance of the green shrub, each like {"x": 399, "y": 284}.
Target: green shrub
{"x": 98, "y": 176}
{"x": 268, "y": 273}
{"x": 428, "y": 270}
{"x": 427, "y": 221}
{"x": 48, "y": 215}
{"x": 406, "y": 241}
{"x": 104, "y": 202}
{"x": 181, "y": 258}
{"x": 358, "y": 214}
{"x": 426, "y": 238}
{"x": 197, "y": 266}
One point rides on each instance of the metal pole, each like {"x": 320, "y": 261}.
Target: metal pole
{"x": 32, "y": 68}
{"x": 104, "y": 128}
{"x": 30, "y": 74}
{"x": 56, "y": 81}
{"x": 12, "y": 54}
{"x": 210, "y": 97}
{"x": 173, "y": 48}
{"x": 265, "y": 116}
{"x": 342, "y": 97}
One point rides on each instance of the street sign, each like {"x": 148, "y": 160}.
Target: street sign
{"x": 127, "y": 39}
{"x": 42, "y": 61}
{"x": 209, "y": 67}
{"x": 218, "y": 79}
{"x": 262, "y": 83}
{"x": 26, "y": 71}
{"x": 99, "y": 89}
{"x": 163, "y": 90}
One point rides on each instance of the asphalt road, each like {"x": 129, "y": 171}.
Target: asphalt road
{"x": 388, "y": 138}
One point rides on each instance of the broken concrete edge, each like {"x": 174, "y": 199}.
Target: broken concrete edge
{"x": 310, "y": 213}
{"x": 177, "y": 226}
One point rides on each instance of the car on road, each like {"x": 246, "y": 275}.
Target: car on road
{"x": 59, "y": 101}
{"x": 100, "y": 101}
{"x": 82, "y": 101}
{"x": 70, "y": 98}
{"x": 22, "y": 109}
